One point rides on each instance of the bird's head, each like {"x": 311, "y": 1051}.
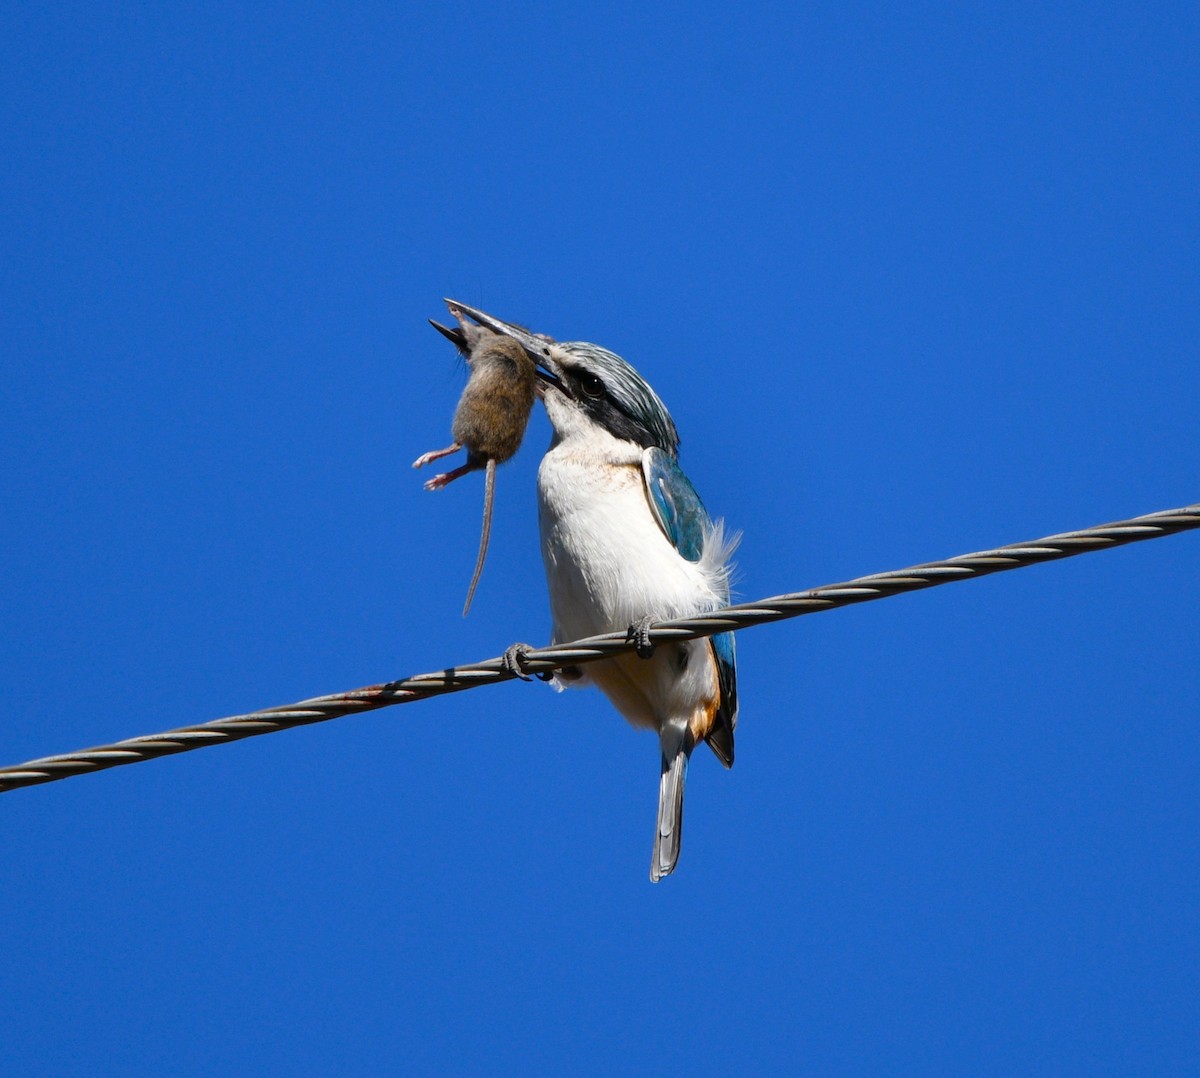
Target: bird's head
{"x": 589, "y": 390}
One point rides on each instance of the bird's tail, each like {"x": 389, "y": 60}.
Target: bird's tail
{"x": 676, "y": 741}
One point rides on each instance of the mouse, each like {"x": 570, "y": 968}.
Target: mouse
{"x": 491, "y": 416}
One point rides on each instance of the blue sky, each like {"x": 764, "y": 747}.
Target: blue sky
{"x": 912, "y": 284}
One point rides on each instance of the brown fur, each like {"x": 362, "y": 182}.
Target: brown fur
{"x": 491, "y": 417}
{"x": 494, "y": 407}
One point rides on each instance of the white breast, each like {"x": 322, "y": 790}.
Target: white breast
{"x": 608, "y": 564}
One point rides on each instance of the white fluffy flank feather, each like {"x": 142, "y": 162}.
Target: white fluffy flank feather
{"x": 715, "y": 557}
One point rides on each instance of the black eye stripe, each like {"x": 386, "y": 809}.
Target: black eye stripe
{"x": 616, "y": 397}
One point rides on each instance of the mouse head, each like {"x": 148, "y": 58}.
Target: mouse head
{"x": 588, "y": 390}
{"x": 467, "y": 336}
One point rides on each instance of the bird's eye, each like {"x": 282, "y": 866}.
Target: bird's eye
{"x": 591, "y": 385}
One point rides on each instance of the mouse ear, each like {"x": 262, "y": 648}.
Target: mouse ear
{"x": 454, "y": 336}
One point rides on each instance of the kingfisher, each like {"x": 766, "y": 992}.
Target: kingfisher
{"x": 626, "y": 541}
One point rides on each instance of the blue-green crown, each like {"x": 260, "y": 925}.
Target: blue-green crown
{"x": 629, "y": 408}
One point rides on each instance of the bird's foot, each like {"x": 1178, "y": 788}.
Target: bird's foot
{"x": 514, "y": 661}
{"x": 639, "y": 633}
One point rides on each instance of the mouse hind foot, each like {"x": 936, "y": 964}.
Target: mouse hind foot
{"x": 436, "y": 454}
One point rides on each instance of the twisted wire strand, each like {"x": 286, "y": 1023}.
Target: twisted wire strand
{"x": 543, "y": 660}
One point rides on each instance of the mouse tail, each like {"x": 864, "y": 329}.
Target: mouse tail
{"x": 489, "y": 494}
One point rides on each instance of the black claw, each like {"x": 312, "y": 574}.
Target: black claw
{"x": 639, "y": 634}
{"x": 513, "y": 660}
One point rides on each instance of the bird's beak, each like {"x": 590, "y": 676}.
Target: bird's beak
{"x": 538, "y": 347}
{"x": 454, "y": 336}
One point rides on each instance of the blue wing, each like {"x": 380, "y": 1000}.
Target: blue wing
{"x": 680, "y": 512}
{"x": 685, "y": 522}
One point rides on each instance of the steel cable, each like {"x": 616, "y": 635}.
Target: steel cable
{"x": 543, "y": 660}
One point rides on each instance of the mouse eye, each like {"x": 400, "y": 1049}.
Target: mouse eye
{"x": 591, "y": 385}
